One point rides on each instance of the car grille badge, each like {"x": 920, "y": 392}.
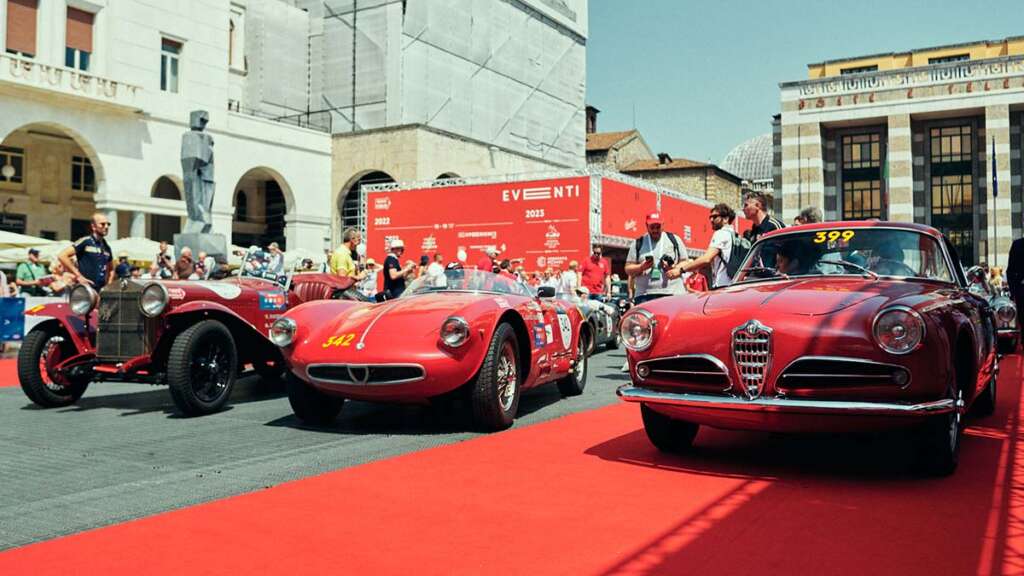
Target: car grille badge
{"x": 751, "y": 352}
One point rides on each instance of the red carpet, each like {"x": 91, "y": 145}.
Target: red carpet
{"x": 8, "y": 372}
{"x": 587, "y": 494}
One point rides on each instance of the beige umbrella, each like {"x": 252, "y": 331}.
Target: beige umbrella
{"x": 15, "y": 240}
{"x": 47, "y": 252}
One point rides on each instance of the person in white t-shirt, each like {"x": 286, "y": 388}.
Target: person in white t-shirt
{"x": 653, "y": 262}
{"x": 570, "y": 279}
{"x": 435, "y": 272}
{"x": 720, "y": 249}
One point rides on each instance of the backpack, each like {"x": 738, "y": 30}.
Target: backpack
{"x": 740, "y": 249}
{"x": 671, "y": 238}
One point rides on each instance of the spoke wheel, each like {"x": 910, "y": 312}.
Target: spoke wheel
{"x": 574, "y": 383}
{"x": 496, "y": 388}
{"x": 41, "y": 352}
{"x": 201, "y": 368}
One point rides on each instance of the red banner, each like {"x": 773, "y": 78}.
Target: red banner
{"x": 544, "y": 222}
{"x": 624, "y": 207}
{"x": 688, "y": 220}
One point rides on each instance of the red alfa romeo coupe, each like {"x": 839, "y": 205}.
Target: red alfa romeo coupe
{"x": 845, "y": 326}
{"x": 466, "y": 331}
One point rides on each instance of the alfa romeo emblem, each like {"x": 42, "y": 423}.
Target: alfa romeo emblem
{"x": 359, "y": 374}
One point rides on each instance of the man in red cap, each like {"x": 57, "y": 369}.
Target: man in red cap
{"x": 652, "y": 260}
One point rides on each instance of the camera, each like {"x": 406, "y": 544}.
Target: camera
{"x": 667, "y": 262}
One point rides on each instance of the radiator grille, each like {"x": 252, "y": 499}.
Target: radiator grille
{"x": 361, "y": 374}
{"x": 121, "y": 327}
{"x": 751, "y": 351}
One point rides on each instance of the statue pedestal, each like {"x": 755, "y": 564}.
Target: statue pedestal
{"x": 213, "y": 244}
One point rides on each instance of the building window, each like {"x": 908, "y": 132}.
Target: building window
{"x": 862, "y": 176}
{"x": 241, "y": 207}
{"x": 862, "y": 151}
{"x": 953, "y": 58}
{"x": 170, "y": 53}
{"x": 859, "y": 69}
{"x": 83, "y": 178}
{"x": 952, "y": 186}
{"x": 15, "y": 158}
{"x": 21, "y": 27}
{"x": 951, "y": 144}
{"x": 48, "y": 234}
{"x": 78, "y": 39}
{"x": 80, "y": 228}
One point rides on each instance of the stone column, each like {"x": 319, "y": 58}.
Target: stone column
{"x": 307, "y": 232}
{"x": 112, "y": 217}
{"x": 899, "y": 186}
{"x": 1000, "y": 225}
{"x": 138, "y": 225}
{"x": 802, "y": 169}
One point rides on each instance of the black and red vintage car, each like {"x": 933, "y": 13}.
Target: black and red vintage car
{"x": 194, "y": 336}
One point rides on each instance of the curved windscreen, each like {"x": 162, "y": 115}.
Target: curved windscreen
{"x": 467, "y": 280}
{"x": 258, "y": 263}
{"x": 847, "y": 251}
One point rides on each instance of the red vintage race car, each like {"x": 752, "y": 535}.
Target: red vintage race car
{"x": 846, "y": 326}
{"x": 192, "y": 335}
{"x": 466, "y": 331}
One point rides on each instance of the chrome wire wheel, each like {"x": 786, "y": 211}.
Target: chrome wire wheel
{"x": 955, "y": 422}
{"x": 580, "y": 369}
{"x": 508, "y": 377}
{"x": 50, "y": 357}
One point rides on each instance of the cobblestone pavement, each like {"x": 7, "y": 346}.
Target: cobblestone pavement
{"x": 122, "y": 453}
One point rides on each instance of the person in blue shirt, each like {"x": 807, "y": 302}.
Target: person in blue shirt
{"x": 95, "y": 259}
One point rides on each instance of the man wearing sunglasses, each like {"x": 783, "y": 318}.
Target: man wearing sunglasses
{"x": 720, "y": 249}
{"x": 94, "y": 266}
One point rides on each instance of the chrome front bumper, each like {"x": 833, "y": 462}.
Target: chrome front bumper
{"x": 631, "y": 393}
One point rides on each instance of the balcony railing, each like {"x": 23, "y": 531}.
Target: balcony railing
{"x": 28, "y": 73}
{"x": 319, "y": 120}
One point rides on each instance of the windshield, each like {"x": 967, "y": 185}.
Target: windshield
{"x": 258, "y": 263}
{"x": 847, "y": 251}
{"x": 461, "y": 280}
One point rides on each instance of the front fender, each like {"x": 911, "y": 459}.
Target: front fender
{"x": 81, "y": 330}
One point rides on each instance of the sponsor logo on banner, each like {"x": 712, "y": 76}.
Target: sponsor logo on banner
{"x": 630, "y": 225}
{"x": 551, "y": 238}
{"x": 687, "y": 233}
{"x": 275, "y": 300}
{"x": 382, "y": 203}
{"x": 541, "y": 261}
{"x": 429, "y": 244}
{"x": 540, "y": 193}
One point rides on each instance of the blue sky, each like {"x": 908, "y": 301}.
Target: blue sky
{"x": 704, "y": 75}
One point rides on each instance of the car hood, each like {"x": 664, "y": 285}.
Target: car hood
{"x": 805, "y": 296}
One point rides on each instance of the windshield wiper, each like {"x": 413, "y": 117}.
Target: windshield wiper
{"x": 857, "y": 267}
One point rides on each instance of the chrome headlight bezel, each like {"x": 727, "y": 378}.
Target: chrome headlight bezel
{"x": 912, "y": 326}
{"x": 83, "y": 299}
{"x": 1006, "y": 313}
{"x": 153, "y": 300}
{"x": 282, "y": 332}
{"x": 637, "y": 329}
{"x": 454, "y": 331}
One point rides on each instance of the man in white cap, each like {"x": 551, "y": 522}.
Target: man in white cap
{"x": 394, "y": 273}
{"x": 486, "y": 262}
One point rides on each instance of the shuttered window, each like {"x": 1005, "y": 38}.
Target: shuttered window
{"x": 78, "y": 49}
{"x": 21, "y": 27}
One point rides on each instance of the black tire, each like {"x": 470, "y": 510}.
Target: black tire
{"x": 493, "y": 404}
{"x": 938, "y": 444}
{"x": 576, "y": 381}
{"x": 667, "y": 434}
{"x": 985, "y": 404}
{"x": 202, "y": 367}
{"x": 43, "y": 387}
{"x": 310, "y": 405}
{"x": 613, "y": 344}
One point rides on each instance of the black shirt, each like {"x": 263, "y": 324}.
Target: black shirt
{"x": 94, "y": 259}
{"x": 767, "y": 225}
{"x": 393, "y": 288}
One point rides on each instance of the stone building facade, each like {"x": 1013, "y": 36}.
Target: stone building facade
{"x": 696, "y": 179}
{"x": 911, "y": 137}
{"x": 616, "y": 150}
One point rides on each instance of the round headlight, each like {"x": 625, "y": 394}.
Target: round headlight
{"x": 454, "y": 332}
{"x": 637, "y": 330}
{"x": 1006, "y": 313}
{"x": 154, "y": 300}
{"x": 898, "y": 330}
{"x": 282, "y": 331}
{"x": 83, "y": 299}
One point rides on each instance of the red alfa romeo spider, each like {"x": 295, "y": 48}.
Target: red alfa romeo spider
{"x": 843, "y": 326}
{"x": 466, "y": 331}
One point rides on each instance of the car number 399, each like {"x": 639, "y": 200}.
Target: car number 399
{"x": 539, "y": 213}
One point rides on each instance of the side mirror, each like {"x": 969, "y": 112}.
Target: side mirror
{"x": 545, "y": 292}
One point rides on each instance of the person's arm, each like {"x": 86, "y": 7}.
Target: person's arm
{"x": 635, "y": 265}
{"x": 395, "y": 273}
{"x": 704, "y": 260}
{"x": 21, "y": 276}
{"x": 69, "y": 264}
{"x": 608, "y": 285}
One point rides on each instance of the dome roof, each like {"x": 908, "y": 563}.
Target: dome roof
{"x": 751, "y": 160}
